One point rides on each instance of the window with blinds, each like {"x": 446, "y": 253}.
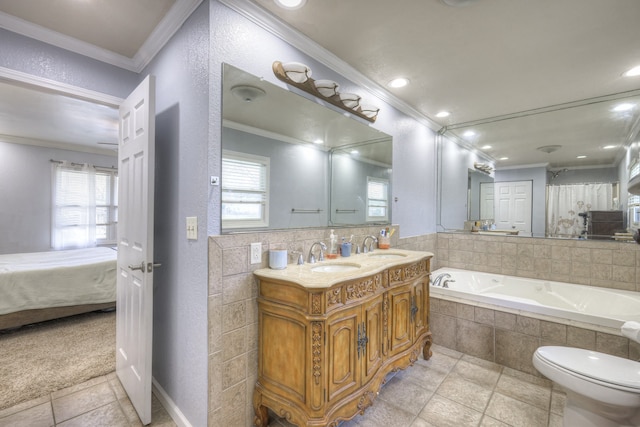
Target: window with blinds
{"x": 377, "y": 199}
{"x": 85, "y": 206}
{"x": 245, "y": 190}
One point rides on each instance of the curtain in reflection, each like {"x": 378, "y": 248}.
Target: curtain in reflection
{"x": 566, "y": 202}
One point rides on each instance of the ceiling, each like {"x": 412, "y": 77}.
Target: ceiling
{"x": 480, "y": 61}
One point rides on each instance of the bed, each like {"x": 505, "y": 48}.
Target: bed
{"x": 40, "y": 286}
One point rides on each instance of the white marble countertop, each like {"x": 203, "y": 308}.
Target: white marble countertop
{"x": 367, "y": 264}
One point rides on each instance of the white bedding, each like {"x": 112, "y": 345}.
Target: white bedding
{"x": 57, "y": 279}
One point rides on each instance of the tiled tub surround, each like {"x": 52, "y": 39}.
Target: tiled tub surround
{"x": 510, "y": 337}
{"x": 584, "y": 262}
{"x": 233, "y": 322}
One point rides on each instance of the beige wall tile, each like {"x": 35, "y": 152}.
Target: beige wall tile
{"x": 581, "y": 338}
{"x": 541, "y": 251}
{"x": 612, "y": 344}
{"x": 233, "y": 405}
{"x": 235, "y": 260}
{"x": 484, "y": 315}
{"x": 528, "y": 325}
{"x": 234, "y": 371}
{"x": 234, "y": 316}
{"x": 234, "y": 343}
{"x": 516, "y": 350}
{"x": 214, "y": 310}
{"x": 505, "y": 320}
{"x": 475, "y": 339}
{"x": 443, "y": 329}
{"x": 465, "y": 311}
{"x": 553, "y": 333}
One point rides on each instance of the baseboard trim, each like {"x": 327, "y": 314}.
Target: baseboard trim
{"x": 174, "y": 412}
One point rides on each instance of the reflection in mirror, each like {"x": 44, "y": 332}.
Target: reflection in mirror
{"x": 361, "y": 183}
{"x": 580, "y": 143}
{"x": 480, "y": 196}
{"x": 276, "y": 163}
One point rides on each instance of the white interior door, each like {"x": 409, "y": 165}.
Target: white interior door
{"x": 134, "y": 318}
{"x": 513, "y": 202}
{"x": 487, "y": 200}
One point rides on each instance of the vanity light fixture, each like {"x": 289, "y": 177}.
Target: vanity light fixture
{"x": 443, "y": 114}
{"x": 299, "y": 75}
{"x": 635, "y": 71}
{"x": 483, "y": 167}
{"x": 291, "y": 4}
{"x": 398, "y": 82}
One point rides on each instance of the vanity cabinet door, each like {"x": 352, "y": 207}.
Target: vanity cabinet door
{"x": 400, "y": 325}
{"x": 371, "y": 354}
{"x": 343, "y": 375}
{"x": 420, "y": 307}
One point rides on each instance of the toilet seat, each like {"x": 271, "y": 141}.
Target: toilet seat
{"x": 610, "y": 371}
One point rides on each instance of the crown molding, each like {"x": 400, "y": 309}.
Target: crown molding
{"x": 282, "y": 30}
{"x": 60, "y": 145}
{"x": 167, "y": 27}
{"x": 25, "y": 79}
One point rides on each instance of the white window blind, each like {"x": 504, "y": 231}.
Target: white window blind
{"x": 377, "y": 199}
{"x": 245, "y": 190}
{"x": 84, "y": 206}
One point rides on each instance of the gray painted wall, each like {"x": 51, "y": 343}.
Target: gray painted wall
{"x": 180, "y": 352}
{"x": 25, "y": 192}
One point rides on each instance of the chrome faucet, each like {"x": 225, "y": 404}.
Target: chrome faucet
{"x": 312, "y": 257}
{"x": 364, "y": 244}
{"x": 443, "y": 276}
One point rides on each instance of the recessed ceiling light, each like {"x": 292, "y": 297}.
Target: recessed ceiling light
{"x": 486, "y": 147}
{"x": 443, "y": 114}
{"x": 469, "y": 133}
{"x": 399, "y": 82}
{"x": 291, "y": 4}
{"x": 624, "y": 107}
{"x": 318, "y": 141}
{"x": 582, "y": 156}
{"x": 635, "y": 71}
{"x": 503, "y": 158}
{"x": 609, "y": 147}
{"x": 354, "y": 152}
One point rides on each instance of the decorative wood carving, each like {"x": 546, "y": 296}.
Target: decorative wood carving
{"x": 395, "y": 275}
{"x": 334, "y": 297}
{"x": 316, "y": 303}
{"x": 361, "y": 289}
{"x": 316, "y": 328}
{"x": 365, "y": 401}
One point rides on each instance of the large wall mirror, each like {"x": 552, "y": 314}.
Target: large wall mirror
{"x": 294, "y": 162}
{"x": 585, "y": 143}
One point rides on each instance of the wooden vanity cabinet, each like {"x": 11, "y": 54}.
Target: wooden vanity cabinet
{"x": 323, "y": 354}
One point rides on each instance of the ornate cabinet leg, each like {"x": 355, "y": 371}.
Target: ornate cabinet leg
{"x": 262, "y": 417}
{"x": 426, "y": 351}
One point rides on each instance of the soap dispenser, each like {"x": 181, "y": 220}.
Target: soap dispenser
{"x": 333, "y": 246}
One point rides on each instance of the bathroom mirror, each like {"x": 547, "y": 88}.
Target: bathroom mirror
{"x": 479, "y": 196}
{"x": 298, "y": 140}
{"x": 535, "y": 145}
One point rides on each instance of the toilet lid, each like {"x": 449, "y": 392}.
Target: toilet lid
{"x": 602, "y": 367}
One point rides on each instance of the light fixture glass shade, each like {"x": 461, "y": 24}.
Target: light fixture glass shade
{"x": 326, "y": 88}
{"x": 350, "y": 100}
{"x": 369, "y": 110}
{"x": 297, "y": 72}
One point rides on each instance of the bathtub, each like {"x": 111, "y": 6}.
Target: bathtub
{"x": 591, "y": 307}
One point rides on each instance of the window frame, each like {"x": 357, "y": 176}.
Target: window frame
{"x": 265, "y": 163}
{"x": 385, "y": 182}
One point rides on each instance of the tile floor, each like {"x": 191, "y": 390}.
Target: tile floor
{"x": 97, "y": 402}
{"x": 449, "y": 390}
{"x": 456, "y": 390}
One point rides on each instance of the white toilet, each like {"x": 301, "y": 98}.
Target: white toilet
{"x": 602, "y": 390}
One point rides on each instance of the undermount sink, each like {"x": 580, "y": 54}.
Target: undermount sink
{"x": 335, "y": 268}
{"x": 387, "y": 255}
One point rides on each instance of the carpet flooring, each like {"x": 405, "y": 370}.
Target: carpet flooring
{"x": 38, "y": 359}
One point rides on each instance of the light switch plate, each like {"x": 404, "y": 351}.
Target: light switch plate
{"x": 192, "y": 228}
{"x": 256, "y": 253}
